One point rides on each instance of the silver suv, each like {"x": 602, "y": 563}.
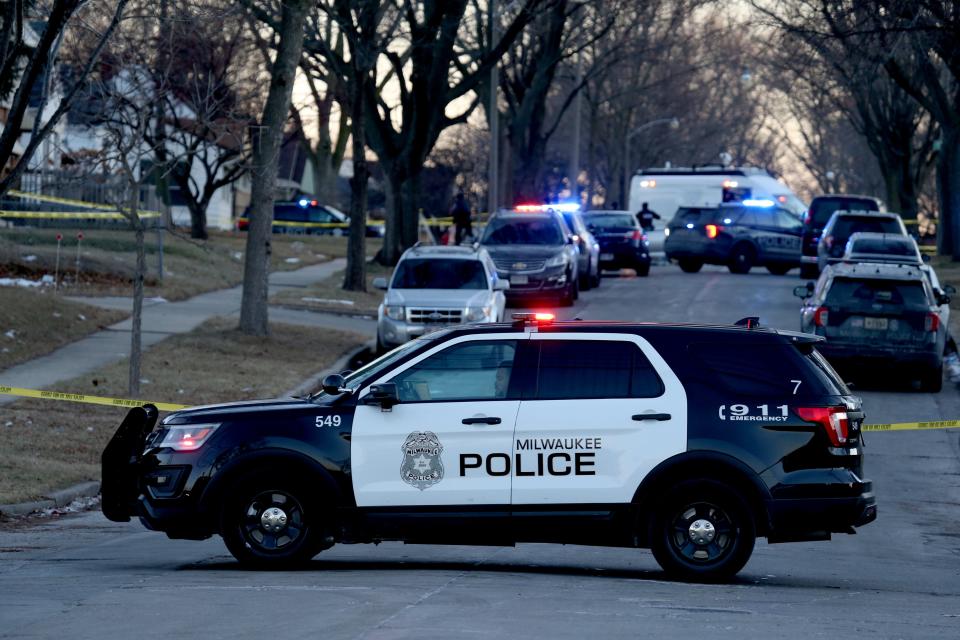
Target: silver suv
{"x": 438, "y": 286}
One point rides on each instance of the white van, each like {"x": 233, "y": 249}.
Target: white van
{"x": 667, "y": 189}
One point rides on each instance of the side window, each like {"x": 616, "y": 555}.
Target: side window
{"x": 584, "y": 369}
{"x": 466, "y": 371}
{"x": 756, "y": 369}
{"x": 787, "y": 221}
{"x": 747, "y": 218}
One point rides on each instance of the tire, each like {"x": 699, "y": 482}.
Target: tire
{"x": 809, "y": 272}
{"x": 567, "y": 297}
{"x": 272, "y": 496}
{"x": 642, "y": 269}
{"x": 597, "y": 277}
{"x": 688, "y": 265}
{"x": 575, "y": 285}
{"x": 728, "y": 531}
{"x": 586, "y": 280}
{"x": 931, "y": 380}
{"x": 779, "y": 269}
{"x": 742, "y": 258}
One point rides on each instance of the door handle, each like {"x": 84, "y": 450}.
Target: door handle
{"x": 481, "y": 420}
{"x": 659, "y": 417}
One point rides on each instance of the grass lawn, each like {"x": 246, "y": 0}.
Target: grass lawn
{"x": 47, "y": 445}
{"x": 107, "y": 259}
{"x": 34, "y": 322}
{"x": 329, "y": 295}
{"x": 948, "y": 272}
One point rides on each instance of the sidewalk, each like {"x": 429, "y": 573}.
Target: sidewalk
{"x": 163, "y": 319}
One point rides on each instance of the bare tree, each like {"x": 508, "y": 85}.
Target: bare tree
{"x": 266, "y": 151}
{"x": 24, "y": 67}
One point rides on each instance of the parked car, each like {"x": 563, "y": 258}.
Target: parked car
{"x": 864, "y": 246}
{"x": 535, "y": 251}
{"x": 622, "y": 242}
{"x": 843, "y": 224}
{"x": 816, "y": 218}
{"x": 310, "y": 217}
{"x": 878, "y": 315}
{"x": 438, "y": 286}
{"x": 739, "y": 235}
{"x": 589, "y": 259}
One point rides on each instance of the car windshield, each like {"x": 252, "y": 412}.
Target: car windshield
{"x": 823, "y": 208}
{"x": 517, "y": 230}
{"x": 877, "y": 294}
{"x": 885, "y": 247}
{"x": 374, "y": 368}
{"x": 846, "y": 226}
{"x": 612, "y": 221}
{"x": 439, "y": 273}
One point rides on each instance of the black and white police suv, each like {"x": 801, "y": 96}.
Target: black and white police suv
{"x": 689, "y": 440}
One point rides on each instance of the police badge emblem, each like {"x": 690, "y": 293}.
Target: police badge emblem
{"x": 422, "y": 467}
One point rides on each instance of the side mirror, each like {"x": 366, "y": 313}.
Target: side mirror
{"x": 949, "y": 289}
{"x": 801, "y": 292}
{"x": 943, "y": 299}
{"x": 334, "y": 384}
{"x": 385, "y": 395}
{"x": 380, "y": 283}
{"x": 925, "y": 258}
{"x": 501, "y": 285}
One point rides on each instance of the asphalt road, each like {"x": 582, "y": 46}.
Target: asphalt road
{"x": 82, "y": 576}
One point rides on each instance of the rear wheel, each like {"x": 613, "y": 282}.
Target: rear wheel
{"x": 809, "y": 272}
{"x": 703, "y": 531}
{"x": 643, "y": 269}
{"x": 597, "y": 277}
{"x": 779, "y": 269}
{"x": 586, "y": 280}
{"x": 272, "y": 522}
{"x": 932, "y": 380}
{"x": 688, "y": 265}
{"x": 742, "y": 258}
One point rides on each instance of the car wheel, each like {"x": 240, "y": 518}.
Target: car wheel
{"x": 702, "y": 531}
{"x": 271, "y": 522}
{"x": 932, "y": 380}
{"x": 690, "y": 266}
{"x": 575, "y": 288}
{"x": 566, "y": 298}
{"x": 779, "y": 269}
{"x": 597, "y": 277}
{"x": 642, "y": 269}
{"x": 585, "y": 281}
{"x": 809, "y": 272}
{"x": 742, "y": 258}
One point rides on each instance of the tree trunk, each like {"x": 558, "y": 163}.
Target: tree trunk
{"x": 393, "y": 233}
{"x": 253, "y": 306}
{"x": 198, "y": 220}
{"x": 136, "y": 321}
{"x": 356, "y": 276}
{"x": 411, "y": 211}
{"x": 948, "y": 192}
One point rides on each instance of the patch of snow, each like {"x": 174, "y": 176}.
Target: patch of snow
{"x": 80, "y": 316}
{"x": 144, "y": 381}
{"x": 348, "y": 303}
{"x": 292, "y": 260}
{"x": 238, "y": 255}
{"x": 29, "y": 258}
{"x": 57, "y": 314}
{"x": 47, "y": 279}
{"x": 22, "y": 282}
{"x": 156, "y": 300}
{"x": 11, "y": 334}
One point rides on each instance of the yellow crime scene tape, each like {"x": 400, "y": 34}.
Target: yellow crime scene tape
{"x": 73, "y": 215}
{"x": 85, "y": 399}
{"x": 167, "y": 406}
{"x": 69, "y": 202}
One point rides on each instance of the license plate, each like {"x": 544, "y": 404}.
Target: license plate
{"x": 879, "y": 324}
{"x": 519, "y": 280}
{"x": 606, "y": 256}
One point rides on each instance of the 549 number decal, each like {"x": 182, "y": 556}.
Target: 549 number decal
{"x": 760, "y": 412}
{"x": 328, "y": 421}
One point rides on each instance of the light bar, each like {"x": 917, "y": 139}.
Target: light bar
{"x": 648, "y": 184}
{"x": 564, "y": 207}
{"x": 750, "y": 202}
{"x": 521, "y": 320}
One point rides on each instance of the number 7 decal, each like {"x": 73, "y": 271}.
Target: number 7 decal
{"x": 796, "y": 385}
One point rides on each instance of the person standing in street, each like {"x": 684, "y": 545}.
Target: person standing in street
{"x": 646, "y": 216}
{"x": 461, "y": 218}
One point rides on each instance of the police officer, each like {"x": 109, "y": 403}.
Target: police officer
{"x": 646, "y": 216}
{"x": 461, "y": 218}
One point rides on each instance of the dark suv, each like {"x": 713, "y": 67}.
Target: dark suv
{"x": 821, "y": 208}
{"x": 843, "y": 224}
{"x": 688, "y": 440}
{"x": 739, "y": 236}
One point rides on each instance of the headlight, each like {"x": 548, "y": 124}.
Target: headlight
{"x": 666, "y": 232}
{"x": 394, "y": 312}
{"x": 558, "y": 260}
{"x": 478, "y": 314}
{"x": 187, "y": 437}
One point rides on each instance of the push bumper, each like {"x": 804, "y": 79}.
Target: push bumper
{"x": 836, "y": 503}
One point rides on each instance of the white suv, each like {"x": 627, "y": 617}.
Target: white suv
{"x": 437, "y": 286}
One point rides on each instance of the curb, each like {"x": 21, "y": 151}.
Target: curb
{"x": 314, "y": 381}
{"x": 52, "y": 501}
{"x": 331, "y": 312}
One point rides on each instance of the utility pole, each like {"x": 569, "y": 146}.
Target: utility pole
{"x": 493, "y": 115}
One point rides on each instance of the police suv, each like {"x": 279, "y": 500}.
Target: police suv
{"x": 689, "y": 440}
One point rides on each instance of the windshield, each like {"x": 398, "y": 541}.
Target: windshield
{"x": 541, "y": 231}
{"x": 611, "y": 221}
{"x": 434, "y": 273}
{"x": 371, "y": 369}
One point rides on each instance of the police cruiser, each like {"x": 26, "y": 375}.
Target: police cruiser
{"x": 689, "y": 440}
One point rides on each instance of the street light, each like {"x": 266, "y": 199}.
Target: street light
{"x": 674, "y": 124}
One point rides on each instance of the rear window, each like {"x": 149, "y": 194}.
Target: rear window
{"x": 695, "y": 216}
{"x": 846, "y": 226}
{"x": 612, "y": 221}
{"x": 768, "y": 369}
{"x": 822, "y": 208}
{"x": 585, "y": 369}
{"x": 876, "y": 294}
{"x": 884, "y": 247}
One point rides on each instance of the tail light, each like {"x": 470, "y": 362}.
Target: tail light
{"x": 808, "y": 217}
{"x": 821, "y": 316}
{"x": 636, "y": 234}
{"x": 834, "y": 420}
{"x": 712, "y": 230}
{"x": 932, "y": 322}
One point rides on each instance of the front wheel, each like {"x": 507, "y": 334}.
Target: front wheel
{"x": 690, "y": 266}
{"x": 702, "y": 531}
{"x": 742, "y": 258}
{"x": 779, "y": 269}
{"x": 271, "y": 521}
